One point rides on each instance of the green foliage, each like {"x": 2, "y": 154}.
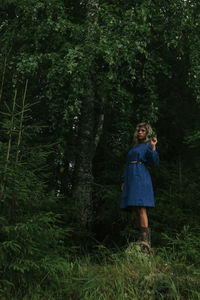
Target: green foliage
{"x": 32, "y": 247}
{"x": 184, "y": 246}
{"x": 28, "y": 257}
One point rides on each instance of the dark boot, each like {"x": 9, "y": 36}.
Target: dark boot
{"x": 145, "y": 235}
{"x": 149, "y": 242}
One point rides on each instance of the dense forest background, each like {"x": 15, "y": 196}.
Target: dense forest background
{"x": 75, "y": 79}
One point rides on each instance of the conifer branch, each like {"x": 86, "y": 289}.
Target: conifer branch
{"x": 3, "y": 76}
{"x": 3, "y": 183}
{"x": 21, "y": 123}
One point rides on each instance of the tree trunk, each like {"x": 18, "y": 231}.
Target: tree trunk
{"x": 88, "y": 135}
{"x": 88, "y": 139}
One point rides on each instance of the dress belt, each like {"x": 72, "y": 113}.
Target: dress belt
{"x": 136, "y": 162}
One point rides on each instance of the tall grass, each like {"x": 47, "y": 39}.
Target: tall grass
{"x": 133, "y": 275}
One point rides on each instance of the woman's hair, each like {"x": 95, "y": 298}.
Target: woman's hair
{"x": 148, "y": 133}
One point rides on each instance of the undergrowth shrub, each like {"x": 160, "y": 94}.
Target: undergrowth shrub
{"x": 32, "y": 238}
{"x": 184, "y": 246}
{"x": 31, "y": 255}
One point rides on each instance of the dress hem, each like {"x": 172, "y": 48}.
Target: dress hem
{"x": 128, "y": 208}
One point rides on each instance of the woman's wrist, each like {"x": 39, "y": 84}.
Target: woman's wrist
{"x": 153, "y": 143}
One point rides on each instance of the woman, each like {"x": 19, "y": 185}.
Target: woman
{"x": 137, "y": 190}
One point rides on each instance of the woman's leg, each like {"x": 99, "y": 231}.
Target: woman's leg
{"x": 143, "y": 219}
{"x": 145, "y": 233}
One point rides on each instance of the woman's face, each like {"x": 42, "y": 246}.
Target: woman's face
{"x": 141, "y": 133}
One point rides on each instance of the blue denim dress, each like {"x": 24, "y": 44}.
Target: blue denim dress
{"x": 138, "y": 190}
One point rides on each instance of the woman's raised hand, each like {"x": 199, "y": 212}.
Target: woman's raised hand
{"x": 154, "y": 142}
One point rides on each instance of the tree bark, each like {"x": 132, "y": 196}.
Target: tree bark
{"x": 89, "y": 134}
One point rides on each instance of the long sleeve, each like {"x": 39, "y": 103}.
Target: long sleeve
{"x": 152, "y": 157}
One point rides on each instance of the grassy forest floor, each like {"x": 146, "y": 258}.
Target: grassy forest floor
{"x": 133, "y": 275}
{"x": 125, "y": 274}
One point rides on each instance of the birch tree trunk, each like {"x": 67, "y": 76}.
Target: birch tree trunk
{"x": 88, "y": 135}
